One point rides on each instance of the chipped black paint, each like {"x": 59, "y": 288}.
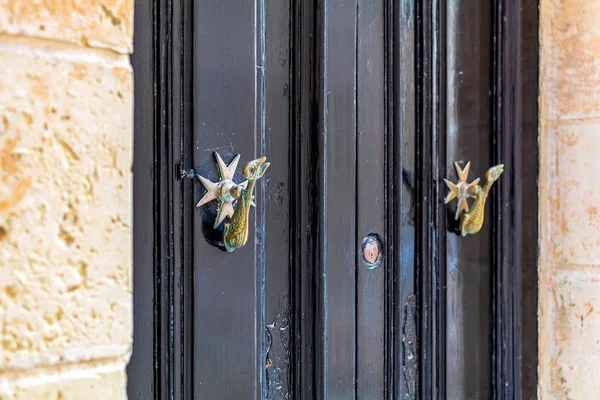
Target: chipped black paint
{"x": 277, "y": 355}
{"x": 410, "y": 351}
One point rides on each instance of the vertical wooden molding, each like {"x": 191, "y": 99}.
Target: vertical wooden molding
{"x": 515, "y": 88}
{"x": 430, "y": 159}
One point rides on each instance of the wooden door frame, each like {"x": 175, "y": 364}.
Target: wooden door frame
{"x": 160, "y": 367}
{"x": 162, "y": 284}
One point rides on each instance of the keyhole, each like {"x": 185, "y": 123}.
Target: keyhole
{"x": 371, "y": 251}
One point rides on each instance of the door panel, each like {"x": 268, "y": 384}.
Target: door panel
{"x": 241, "y": 299}
{"x": 469, "y": 261}
{"x": 337, "y": 202}
{"x": 370, "y": 198}
{"x": 275, "y": 195}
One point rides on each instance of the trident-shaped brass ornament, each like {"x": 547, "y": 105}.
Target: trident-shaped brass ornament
{"x": 229, "y": 193}
{"x": 471, "y": 221}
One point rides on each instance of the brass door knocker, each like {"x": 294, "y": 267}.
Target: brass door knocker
{"x": 471, "y": 221}
{"x": 229, "y": 193}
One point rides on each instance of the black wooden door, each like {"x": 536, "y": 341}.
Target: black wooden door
{"x": 361, "y": 107}
{"x": 247, "y": 79}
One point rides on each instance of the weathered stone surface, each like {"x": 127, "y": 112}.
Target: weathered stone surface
{"x": 570, "y": 333}
{"x": 569, "y": 214}
{"x": 86, "y": 383}
{"x": 569, "y": 62}
{"x": 570, "y": 193}
{"x": 99, "y": 23}
{"x": 65, "y": 199}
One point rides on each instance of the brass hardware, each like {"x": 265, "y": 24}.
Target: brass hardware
{"x": 372, "y": 253}
{"x": 229, "y": 193}
{"x": 471, "y": 221}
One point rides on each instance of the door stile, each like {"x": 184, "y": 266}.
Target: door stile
{"x": 402, "y": 340}
{"x": 515, "y": 208}
{"x": 430, "y": 219}
{"x": 336, "y": 287}
{"x": 304, "y": 213}
{"x": 370, "y": 199}
{"x": 183, "y": 198}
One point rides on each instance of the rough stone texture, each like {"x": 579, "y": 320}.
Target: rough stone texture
{"x": 89, "y": 384}
{"x": 572, "y": 298}
{"x": 98, "y": 23}
{"x": 570, "y": 192}
{"x": 65, "y": 212}
{"x": 569, "y": 302}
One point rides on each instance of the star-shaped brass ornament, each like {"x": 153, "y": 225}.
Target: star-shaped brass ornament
{"x": 461, "y": 189}
{"x": 226, "y": 191}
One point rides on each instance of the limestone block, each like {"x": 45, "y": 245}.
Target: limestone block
{"x": 569, "y": 62}
{"x": 570, "y": 333}
{"x": 65, "y": 205}
{"x": 570, "y": 194}
{"x": 87, "y": 383}
{"x": 99, "y": 23}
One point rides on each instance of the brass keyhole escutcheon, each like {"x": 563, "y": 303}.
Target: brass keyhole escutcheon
{"x": 235, "y": 199}
{"x": 372, "y": 251}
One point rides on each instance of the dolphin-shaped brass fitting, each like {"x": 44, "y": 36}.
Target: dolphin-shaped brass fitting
{"x": 472, "y": 221}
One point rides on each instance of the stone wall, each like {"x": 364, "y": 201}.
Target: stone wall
{"x": 66, "y": 124}
{"x": 569, "y": 272}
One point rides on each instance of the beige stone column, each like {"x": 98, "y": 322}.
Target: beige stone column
{"x": 569, "y": 297}
{"x": 66, "y": 124}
